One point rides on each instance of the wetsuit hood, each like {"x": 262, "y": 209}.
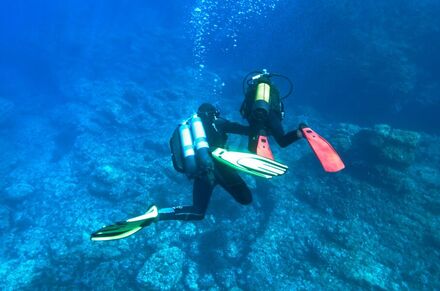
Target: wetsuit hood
{"x": 208, "y": 112}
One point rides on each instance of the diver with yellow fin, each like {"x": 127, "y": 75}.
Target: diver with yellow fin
{"x": 263, "y": 108}
{"x": 198, "y": 150}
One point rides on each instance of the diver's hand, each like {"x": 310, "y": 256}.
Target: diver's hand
{"x": 302, "y": 125}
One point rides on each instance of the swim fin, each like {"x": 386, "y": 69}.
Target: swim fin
{"x": 126, "y": 228}
{"x": 326, "y": 154}
{"x": 263, "y": 148}
{"x": 250, "y": 163}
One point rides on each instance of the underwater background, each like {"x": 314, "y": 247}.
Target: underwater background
{"x": 91, "y": 91}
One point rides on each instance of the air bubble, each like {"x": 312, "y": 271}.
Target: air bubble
{"x": 223, "y": 19}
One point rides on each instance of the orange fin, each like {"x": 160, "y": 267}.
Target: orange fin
{"x": 326, "y": 154}
{"x": 263, "y": 148}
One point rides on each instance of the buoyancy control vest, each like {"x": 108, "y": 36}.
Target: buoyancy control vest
{"x": 189, "y": 148}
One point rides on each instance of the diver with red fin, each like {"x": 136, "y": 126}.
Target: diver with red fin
{"x": 263, "y": 108}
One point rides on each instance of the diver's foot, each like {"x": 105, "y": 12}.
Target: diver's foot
{"x": 148, "y": 218}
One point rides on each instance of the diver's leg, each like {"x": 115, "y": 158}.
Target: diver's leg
{"x": 277, "y": 131}
{"x": 202, "y": 191}
{"x": 233, "y": 184}
{"x": 256, "y": 128}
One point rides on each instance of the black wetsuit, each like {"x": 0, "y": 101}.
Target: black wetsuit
{"x": 270, "y": 126}
{"x": 221, "y": 175}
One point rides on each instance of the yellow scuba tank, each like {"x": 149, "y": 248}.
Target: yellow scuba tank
{"x": 263, "y": 92}
{"x": 262, "y": 96}
{"x": 261, "y": 106}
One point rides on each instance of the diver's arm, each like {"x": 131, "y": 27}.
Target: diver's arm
{"x": 234, "y": 127}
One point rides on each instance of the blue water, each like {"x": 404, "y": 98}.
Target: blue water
{"x": 91, "y": 92}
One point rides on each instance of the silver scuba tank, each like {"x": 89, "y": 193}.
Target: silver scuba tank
{"x": 201, "y": 145}
{"x": 186, "y": 142}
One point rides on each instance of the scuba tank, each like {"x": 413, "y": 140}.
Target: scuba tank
{"x": 261, "y": 106}
{"x": 261, "y": 96}
{"x": 189, "y": 148}
{"x": 262, "y": 101}
{"x": 201, "y": 145}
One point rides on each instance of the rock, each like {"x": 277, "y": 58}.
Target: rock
{"x": 6, "y": 108}
{"x": 108, "y": 174}
{"x": 163, "y": 270}
{"x": 397, "y": 181}
{"x": 115, "y": 112}
{"x": 207, "y": 282}
{"x": 341, "y": 137}
{"x": 77, "y": 116}
{"x": 385, "y": 145}
{"x": 429, "y": 176}
{"x": 108, "y": 181}
{"x": 21, "y": 274}
{"x": 19, "y": 191}
{"x": 366, "y": 272}
{"x": 192, "y": 276}
{"x": 4, "y": 218}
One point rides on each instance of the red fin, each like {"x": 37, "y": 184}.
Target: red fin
{"x": 326, "y": 154}
{"x": 263, "y": 148}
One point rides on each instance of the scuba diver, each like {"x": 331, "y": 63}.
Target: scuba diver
{"x": 212, "y": 172}
{"x": 197, "y": 147}
{"x": 198, "y": 150}
{"x": 263, "y": 108}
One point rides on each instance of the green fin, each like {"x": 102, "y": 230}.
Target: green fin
{"x": 250, "y": 163}
{"x": 126, "y": 228}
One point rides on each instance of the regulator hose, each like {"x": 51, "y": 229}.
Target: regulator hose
{"x": 247, "y": 80}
